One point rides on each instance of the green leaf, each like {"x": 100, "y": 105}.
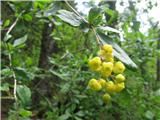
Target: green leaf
{"x": 6, "y": 23}
{"x": 6, "y": 72}
{"x": 118, "y": 52}
{"x": 84, "y": 27}
{"x": 95, "y": 16}
{"x": 21, "y": 72}
{"x": 64, "y": 117}
{"x": 109, "y": 29}
{"x": 28, "y": 17}
{"x": 20, "y": 41}
{"x": 52, "y": 11}
{"x": 4, "y": 87}
{"x": 69, "y": 17}
{"x": 61, "y": 76}
{"x": 149, "y": 115}
{"x": 25, "y": 113}
{"x": 24, "y": 94}
{"x": 7, "y": 37}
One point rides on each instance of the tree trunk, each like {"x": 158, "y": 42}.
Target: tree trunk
{"x": 44, "y": 86}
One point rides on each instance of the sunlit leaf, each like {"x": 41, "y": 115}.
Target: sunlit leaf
{"x": 20, "y": 41}
{"x": 69, "y": 17}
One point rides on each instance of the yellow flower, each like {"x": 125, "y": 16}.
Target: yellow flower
{"x": 118, "y": 67}
{"x": 102, "y": 82}
{"x": 110, "y": 86}
{"x": 109, "y": 59}
{"x": 107, "y": 56}
{"x": 95, "y": 64}
{"x": 106, "y": 97}
{"x": 102, "y": 53}
{"x": 107, "y": 48}
{"x": 119, "y": 87}
{"x": 120, "y": 78}
{"x": 107, "y": 68}
{"x": 94, "y": 85}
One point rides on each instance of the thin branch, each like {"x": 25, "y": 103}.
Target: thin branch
{"x": 10, "y": 64}
{"x": 12, "y": 26}
{"x": 15, "y": 22}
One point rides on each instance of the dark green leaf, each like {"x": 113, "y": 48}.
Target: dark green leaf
{"x": 24, "y": 94}
{"x": 118, "y": 51}
{"x": 21, "y": 72}
{"x": 95, "y": 16}
{"x": 69, "y": 17}
{"x": 20, "y": 41}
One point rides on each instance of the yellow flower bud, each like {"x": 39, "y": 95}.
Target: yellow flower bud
{"x": 107, "y": 48}
{"x": 110, "y": 86}
{"x": 119, "y": 87}
{"x": 102, "y": 82}
{"x": 107, "y": 68}
{"x": 119, "y": 78}
{"x": 106, "y": 97}
{"x": 95, "y": 64}
{"x": 118, "y": 67}
{"x": 94, "y": 85}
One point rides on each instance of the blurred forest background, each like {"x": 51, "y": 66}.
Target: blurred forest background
{"x": 45, "y": 49}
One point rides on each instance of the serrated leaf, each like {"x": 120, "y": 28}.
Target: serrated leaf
{"x": 24, "y": 94}
{"x": 20, "y": 41}
{"x": 69, "y": 17}
{"x": 118, "y": 51}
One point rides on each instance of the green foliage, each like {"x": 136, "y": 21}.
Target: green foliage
{"x": 66, "y": 75}
{"x": 19, "y": 41}
{"x": 24, "y": 94}
{"x": 95, "y": 16}
{"x": 69, "y": 17}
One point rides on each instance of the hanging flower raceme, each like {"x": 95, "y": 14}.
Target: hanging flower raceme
{"x": 112, "y": 80}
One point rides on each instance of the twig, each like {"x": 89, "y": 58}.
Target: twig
{"x": 15, "y": 22}
{"x": 11, "y": 66}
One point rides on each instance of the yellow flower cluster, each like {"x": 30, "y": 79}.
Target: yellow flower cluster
{"x": 111, "y": 72}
